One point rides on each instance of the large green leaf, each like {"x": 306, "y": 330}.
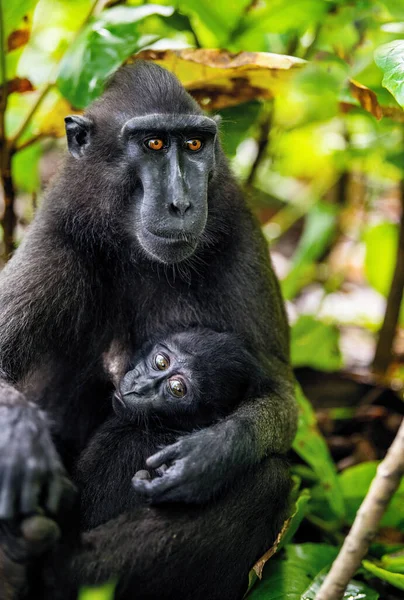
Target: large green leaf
{"x": 315, "y": 344}
{"x": 354, "y": 483}
{"x": 311, "y": 447}
{"x": 299, "y": 574}
{"x": 396, "y": 579}
{"x": 101, "y": 48}
{"x": 390, "y": 58}
{"x": 355, "y": 590}
{"x": 288, "y": 577}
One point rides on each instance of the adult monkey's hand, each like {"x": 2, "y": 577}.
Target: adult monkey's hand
{"x": 30, "y": 468}
{"x": 200, "y": 464}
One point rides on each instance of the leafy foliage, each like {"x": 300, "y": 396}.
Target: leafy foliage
{"x": 309, "y": 92}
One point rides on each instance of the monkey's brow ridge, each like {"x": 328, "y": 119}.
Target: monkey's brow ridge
{"x": 170, "y": 122}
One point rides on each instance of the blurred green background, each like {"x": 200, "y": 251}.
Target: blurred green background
{"x": 311, "y": 94}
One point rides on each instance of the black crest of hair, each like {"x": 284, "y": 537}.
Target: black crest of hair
{"x": 129, "y": 242}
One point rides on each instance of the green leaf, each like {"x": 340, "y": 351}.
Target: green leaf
{"x": 355, "y": 590}
{"x": 15, "y": 12}
{"x": 288, "y": 531}
{"x": 105, "y": 592}
{"x": 354, "y": 483}
{"x": 296, "y": 518}
{"x": 214, "y": 21}
{"x": 394, "y": 562}
{"x": 390, "y": 59}
{"x": 236, "y": 122}
{"x": 25, "y": 168}
{"x": 288, "y": 578}
{"x": 395, "y": 579}
{"x": 317, "y": 235}
{"x": 311, "y": 447}
{"x": 381, "y": 243}
{"x": 315, "y": 344}
{"x": 101, "y": 48}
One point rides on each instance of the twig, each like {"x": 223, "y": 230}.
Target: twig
{"x": 383, "y": 354}
{"x": 262, "y": 141}
{"x": 29, "y": 142}
{"x": 364, "y": 528}
{"x": 3, "y": 82}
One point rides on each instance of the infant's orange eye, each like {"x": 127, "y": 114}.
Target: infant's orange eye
{"x": 155, "y": 144}
{"x": 194, "y": 145}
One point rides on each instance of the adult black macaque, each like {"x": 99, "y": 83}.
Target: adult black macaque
{"x": 177, "y": 383}
{"x": 145, "y": 229}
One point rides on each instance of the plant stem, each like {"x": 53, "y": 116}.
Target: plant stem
{"x": 262, "y": 141}
{"x": 383, "y": 354}
{"x": 364, "y": 528}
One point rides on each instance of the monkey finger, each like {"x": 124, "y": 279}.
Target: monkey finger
{"x": 8, "y": 494}
{"x": 164, "y": 456}
{"x": 30, "y": 493}
{"x": 61, "y": 494}
{"x": 151, "y": 489}
{"x": 39, "y": 533}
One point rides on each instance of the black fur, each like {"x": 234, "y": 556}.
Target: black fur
{"x": 84, "y": 278}
{"x": 217, "y": 372}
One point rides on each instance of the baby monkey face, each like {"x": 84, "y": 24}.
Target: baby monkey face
{"x": 160, "y": 382}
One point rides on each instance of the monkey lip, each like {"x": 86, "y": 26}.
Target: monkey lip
{"x": 179, "y": 240}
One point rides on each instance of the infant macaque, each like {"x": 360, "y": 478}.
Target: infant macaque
{"x": 181, "y": 382}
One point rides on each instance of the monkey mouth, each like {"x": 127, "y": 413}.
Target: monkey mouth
{"x": 167, "y": 249}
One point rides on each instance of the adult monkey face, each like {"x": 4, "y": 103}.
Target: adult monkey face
{"x": 170, "y": 158}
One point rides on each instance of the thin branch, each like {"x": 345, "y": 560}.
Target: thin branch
{"x": 27, "y": 120}
{"x": 29, "y": 142}
{"x": 364, "y": 528}
{"x": 384, "y": 349}
{"x": 262, "y": 141}
{"x": 3, "y": 81}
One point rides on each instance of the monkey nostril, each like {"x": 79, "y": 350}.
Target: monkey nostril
{"x": 180, "y": 207}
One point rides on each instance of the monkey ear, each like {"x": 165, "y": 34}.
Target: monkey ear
{"x": 78, "y": 131}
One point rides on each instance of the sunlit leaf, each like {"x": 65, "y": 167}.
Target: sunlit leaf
{"x": 100, "y": 49}
{"x": 25, "y": 168}
{"x": 390, "y": 58}
{"x": 105, "y": 592}
{"x": 217, "y": 78}
{"x": 381, "y": 249}
{"x": 315, "y": 344}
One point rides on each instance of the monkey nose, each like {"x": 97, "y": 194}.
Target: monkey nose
{"x": 179, "y": 206}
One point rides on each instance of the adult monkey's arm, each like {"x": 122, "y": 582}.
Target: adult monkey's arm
{"x": 36, "y": 319}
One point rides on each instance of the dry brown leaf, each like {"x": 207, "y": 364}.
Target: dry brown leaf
{"x": 259, "y": 565}
{"x": 218, "y": 78}
{"x": 367, "y": 98}
{"x": 17, "y": 38}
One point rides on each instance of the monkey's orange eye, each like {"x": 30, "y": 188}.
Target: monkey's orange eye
{"x": 194, "y": 145}
{"x": 155, "y": 144}
{"x": 161, "y": 362}
{"x": 177, "y": 387}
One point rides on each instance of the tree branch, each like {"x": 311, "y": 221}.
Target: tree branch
{"x": 383, "y": 354}
{"x": 364, "y": 528}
